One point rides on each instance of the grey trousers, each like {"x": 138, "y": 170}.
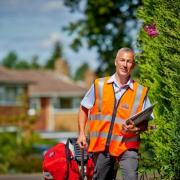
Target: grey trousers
{"x": 104, "y": 166}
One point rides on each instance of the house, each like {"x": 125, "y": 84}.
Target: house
{"x": 56, "y": 98}
{"x": 13, "y": 95}
{"x": 52, "y": 96}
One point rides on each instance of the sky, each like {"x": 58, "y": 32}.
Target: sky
{"x": 31, "y": 27}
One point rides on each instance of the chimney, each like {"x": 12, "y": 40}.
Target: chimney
{"x": 89, "y": 78}
{"x": 61, "y": 66}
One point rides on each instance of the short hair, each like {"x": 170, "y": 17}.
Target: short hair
{"x": 125, "y": 49}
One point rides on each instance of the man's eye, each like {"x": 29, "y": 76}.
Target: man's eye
{"x": 129, "y": 62}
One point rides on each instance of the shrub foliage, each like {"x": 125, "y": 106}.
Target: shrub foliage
{"x": 160, "y": 70}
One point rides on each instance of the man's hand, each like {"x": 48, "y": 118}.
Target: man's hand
{"x": 82, "y": 141}
{"x": 129, "y": 127}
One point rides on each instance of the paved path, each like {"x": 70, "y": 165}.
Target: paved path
{"x": 40, "y": 177}
{"x": 25, "y": 177}
{"x": 22, "y": 177}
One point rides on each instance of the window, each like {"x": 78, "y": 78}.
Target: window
{"x": 34, "y": 103}
{"x": 66, "y": 102}
{"x": 34, "y": 106}
{"x": 76, "y": 102}
{"x": 56, "y": 103}
{"x": 11, "y": 95}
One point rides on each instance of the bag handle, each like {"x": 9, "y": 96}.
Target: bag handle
{"x": 68, "y": 157}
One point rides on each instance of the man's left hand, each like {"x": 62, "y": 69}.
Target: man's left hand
{"x": 130, "y": 127}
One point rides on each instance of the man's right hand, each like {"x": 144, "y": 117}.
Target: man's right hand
{"x": 82, "y": 141}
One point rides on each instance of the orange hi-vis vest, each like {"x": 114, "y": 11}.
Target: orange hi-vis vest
{"x": 107, "y": 117}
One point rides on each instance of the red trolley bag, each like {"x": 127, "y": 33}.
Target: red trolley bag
{"x": 59, "y": 163}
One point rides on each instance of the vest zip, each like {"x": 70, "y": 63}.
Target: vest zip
{"x": 112, "y": 120}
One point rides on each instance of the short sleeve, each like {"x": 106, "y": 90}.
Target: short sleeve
{"x": 89, "y": 98}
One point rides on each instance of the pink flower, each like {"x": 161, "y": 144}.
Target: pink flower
{"x": 151, "y": 30}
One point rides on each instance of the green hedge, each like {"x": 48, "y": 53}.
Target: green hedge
{"x": 160, "y": 70}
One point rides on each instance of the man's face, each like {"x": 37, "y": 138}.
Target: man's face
{"x": 124, "y": 63}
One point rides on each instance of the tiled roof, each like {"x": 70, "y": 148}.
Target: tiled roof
{"x": 46, "y": 83}
{"x": 9, "y": 76}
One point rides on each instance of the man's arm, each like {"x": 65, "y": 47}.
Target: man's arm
{"x": 86, "y": 104}
{"x": 135, "y": 129}
{"x": 82, "y": 119}
{"x": 141, "y": 127}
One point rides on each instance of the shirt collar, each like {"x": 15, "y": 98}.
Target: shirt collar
{"x": 112, "y": 79}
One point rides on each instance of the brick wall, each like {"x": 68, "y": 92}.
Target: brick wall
{"x": 42, "y": 118}
{"x": 9, "y": 114}
{"x": 66, "y": 121}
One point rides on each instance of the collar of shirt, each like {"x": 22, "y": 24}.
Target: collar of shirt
{"x": 113, "y": 80}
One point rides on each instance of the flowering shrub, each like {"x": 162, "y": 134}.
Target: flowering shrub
{"x": 151, "y": 30}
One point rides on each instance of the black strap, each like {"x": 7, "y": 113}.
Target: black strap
{"x": 116, "y": 104}
{"x": 82, "y": 164}
{"x": 68, "y": 157}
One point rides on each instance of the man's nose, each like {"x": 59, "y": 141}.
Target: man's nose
{"x": 125, "y": 63}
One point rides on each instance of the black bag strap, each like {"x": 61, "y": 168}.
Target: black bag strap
{"x": 68, "y": 154}
{"x": 80, "y": 153}
{"x": 68, "y": 157}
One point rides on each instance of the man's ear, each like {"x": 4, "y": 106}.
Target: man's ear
{"x": 134, "y": 65}
{"x": 115, "y": 63}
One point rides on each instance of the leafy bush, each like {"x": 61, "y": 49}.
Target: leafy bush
{"x": 17, "y": 152}
{"x": 160, "y": 69}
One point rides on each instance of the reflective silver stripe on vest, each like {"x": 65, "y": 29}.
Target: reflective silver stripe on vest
{"x": 136, "y": 100}
{"x": 96, "y": 134}
{"x": 100, "y": 92}
{"x": 117, "y": 138}
{"x": 106, "y": 118}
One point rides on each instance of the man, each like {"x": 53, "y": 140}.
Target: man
{"x": 108, "y": 104}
